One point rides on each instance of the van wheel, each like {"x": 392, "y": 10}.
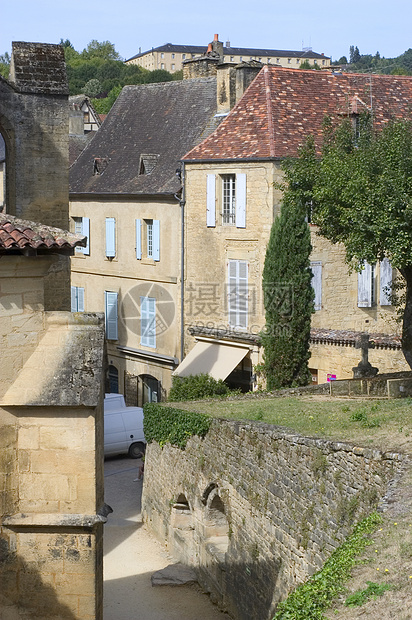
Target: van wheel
{"x": 136, "y": 450}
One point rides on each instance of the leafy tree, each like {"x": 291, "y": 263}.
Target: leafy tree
{"x": 288, "y": 293}
{"x": 354, "y": 55}
{"x": 5, "y": 65}
{"x": 362, "y": 197}
{"x": 343, "y": 60}
{"x": 92, "y": 88}
{"x": 104, "y": 50}
{"x": 103, "y": 106}
{"x": 159, "y": 75}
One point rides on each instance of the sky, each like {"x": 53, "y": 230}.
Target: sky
{"x": 326, "y": 27}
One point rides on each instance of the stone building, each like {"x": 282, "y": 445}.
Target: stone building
{"x": 231, "y": 202}
{"x": 172, "y": 57}
{"x": 51, "y": 461}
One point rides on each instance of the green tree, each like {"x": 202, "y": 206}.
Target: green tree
{"x": 287, "y": 288}
{"x": 92, "y": 88}
{"x": 104, "y": 50}
{"x": 103, "y": 106}
{"x": 362, "y": 197}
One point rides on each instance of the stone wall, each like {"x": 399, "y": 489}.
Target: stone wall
{"x": 257, "y": 510}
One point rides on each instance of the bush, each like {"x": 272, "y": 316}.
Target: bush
{"x": 194, "y": 387}
{"x": 174, "y": 426}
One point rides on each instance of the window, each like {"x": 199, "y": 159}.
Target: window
{"x": 289, "y": 61}
{"x": 366, "y": 286}
{"x": 173, "y": 56}
{"x": 162, "y": 65}
{"x": 183, "y": 56}
{"x": 231, "y": 202}
{"x": 316, "y": 267}
{"x": 147, "y": 163}
{"x": 298, "y": 61}
{"x": 240, "y": 59}
{"x": 110, "y": 237}
{"x": 162, "y": 55}
{"x": 232, "y": 58}
{"x": 173, "y": 66}
{"x": 237, "y": 294}
{"x": 148, "y": 321}
{"x": 228, "y": 198}
{"x": 77, "y": 299}
{"x": 148, "y": 239}
{"x": 277, "y": 59}
{"x": 112, "y": 380}
{"x": 110, "y": 304}
{"x": 385, "y": 283}
{"x": 82, "y": 227}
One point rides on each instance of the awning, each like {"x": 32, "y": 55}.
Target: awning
{"x": 214, "y": 358}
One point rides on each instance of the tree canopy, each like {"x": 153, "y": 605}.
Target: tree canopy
{"x": 360, "y": 192}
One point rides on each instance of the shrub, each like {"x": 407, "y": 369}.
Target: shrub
{"x": 194, "y": 387}
{"x": 174, "y": 426}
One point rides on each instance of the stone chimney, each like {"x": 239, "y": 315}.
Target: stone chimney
{"x": 217, "y": 46}
{"x": 226, "y": 87}
{"x": 245, "y": 74}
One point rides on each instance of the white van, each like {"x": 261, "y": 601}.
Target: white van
{"x": 123, "y": 428}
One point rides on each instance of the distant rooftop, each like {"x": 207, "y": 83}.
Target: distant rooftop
{"x": 231, "y": 51}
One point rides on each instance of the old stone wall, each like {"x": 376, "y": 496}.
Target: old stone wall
{"x": 257, "y": 510}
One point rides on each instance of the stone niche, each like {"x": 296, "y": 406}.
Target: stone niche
{"x": 256, "y": 510}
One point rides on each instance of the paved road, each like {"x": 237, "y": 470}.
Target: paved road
{"x": 132, "y": 555}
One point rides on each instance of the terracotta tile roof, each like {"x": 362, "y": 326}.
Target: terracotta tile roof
{"x": 283, "y": 106}
{"x": 17, "y": 234}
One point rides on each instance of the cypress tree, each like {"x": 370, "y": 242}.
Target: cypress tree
{"x": 288, "y": 296}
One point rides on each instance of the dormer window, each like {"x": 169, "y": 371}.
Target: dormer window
{"x": 147, "y": 163}
{"x": 100, "y": 164}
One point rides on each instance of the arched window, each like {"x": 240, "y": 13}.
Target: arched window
{"x": 112, "y": 380}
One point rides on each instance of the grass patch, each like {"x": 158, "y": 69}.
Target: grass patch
{"x": 309, "y": 600}
{"x": 385, "y": 423}
{"x": 360, "y": 597}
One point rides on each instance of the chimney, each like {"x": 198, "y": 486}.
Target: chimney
{"x": 227, "y": 44}
{"x": 245, "y": 74}
{"x": 217, "y": 46}
{"x": 209, "y": 48}
{"x": 226, "y": 87}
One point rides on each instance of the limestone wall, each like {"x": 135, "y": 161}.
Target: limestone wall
{"x": 256, "y": 510}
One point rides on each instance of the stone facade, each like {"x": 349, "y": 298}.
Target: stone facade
{"x": 51, "y": 414}
{"x": 256, "y": 510}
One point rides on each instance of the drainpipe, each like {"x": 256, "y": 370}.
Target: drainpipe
{"x": 182, "y": 202}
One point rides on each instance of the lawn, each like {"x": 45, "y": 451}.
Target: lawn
{"x": 382, "y": 423}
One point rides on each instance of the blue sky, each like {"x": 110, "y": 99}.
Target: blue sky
{"x": 132, "y": 24}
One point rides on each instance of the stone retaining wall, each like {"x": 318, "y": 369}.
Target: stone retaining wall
{"x": 256, "y": 510}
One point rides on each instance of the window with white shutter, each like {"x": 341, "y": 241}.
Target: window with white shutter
{"x": 237, "y": 293}
{"x": 77, "y": 299}
{"x": 366, "y": 286}
{"x": 111, "y": 315}
{"x": 110, "y": 237}
{"x": 385, "y": 282}
{"x": 316, "y": 267}
{"x": 241, "y": 200}
{"x": 82, "y": 227}
{"x": 148, "y": 321}
{"x": 211, "y": 200}
{"x": 139, "y": 239}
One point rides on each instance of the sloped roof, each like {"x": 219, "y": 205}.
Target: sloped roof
{"x": 283, "y": 106}
{"x": 77, "y": 144}
{"x": 17, "y": 234}
{"x": 155, "y": 123}
{"x": 245, "y": 51}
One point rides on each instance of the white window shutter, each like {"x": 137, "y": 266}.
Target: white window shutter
{"x": 111, "y": 315}
{"x": 73, "y": 299}
{"x": 385, "y": 282}
{"x": 316, "y": 267}
{"x": 156, "y": 240}
{"x": 365, "y": 286}
{"x": 86, "y": 233}
{"x": 241, "y": 200}
{"x": 80, "y": 299}
{"x": 110, "y": 237}
{"x": 148, "y": 321}
{"x": 211, "y": 201}
{"x": 138, "y": 239}
{"x": 238, "y": 293}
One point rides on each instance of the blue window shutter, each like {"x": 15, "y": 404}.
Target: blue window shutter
{"x": 316, "y": 267}
{"x": 385, "y": 283}
{"x": 241, "y": 200}
{"x": 86, "y": 233}
{"x": 73, "y": 299}
{"x": 365, "y": 286}
{"x": 111, "y": 315}
{"x": 156, "y": 240}
{"x": 139, "y": 239}
{"x": 110, "y": 237}
{"x": 80, "y": 299}
{"x": 211, "y": 200}
{"x": 148, "y": 321}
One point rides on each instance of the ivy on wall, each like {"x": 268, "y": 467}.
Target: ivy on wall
{"x": 175, "y": 426}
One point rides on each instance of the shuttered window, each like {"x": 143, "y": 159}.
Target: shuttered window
{"x": 111, "y": 315}
{"x": 148, "y": 239}
{"x": 82, "y": 227}
{"x": 385, "y": 283}
{"x": 366, "y": 286}
{"x": 148, "y": 321}
{"x": 139, "y": 239}
{"x": 110, "y": 237}
{"x": 77, "y": 299}
{"x": 241, "y": 200}
{"x": 211, "y": 200}
{"x": 237, "y": 294}
{"x": 316, "y": 267}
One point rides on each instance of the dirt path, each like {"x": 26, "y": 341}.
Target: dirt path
{"x": 132, "y": 555}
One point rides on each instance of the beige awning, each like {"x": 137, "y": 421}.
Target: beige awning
{"x": 214, "y": 358}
